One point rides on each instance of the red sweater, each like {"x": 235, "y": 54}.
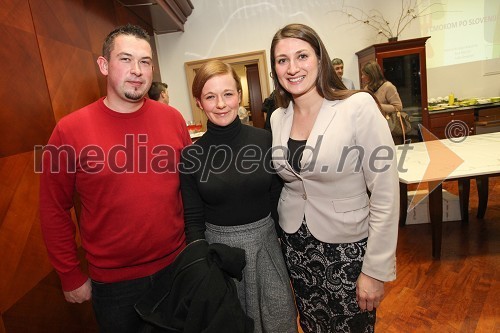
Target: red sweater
{"x": 124, "y": 168}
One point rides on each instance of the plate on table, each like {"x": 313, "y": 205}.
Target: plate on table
{"x": 483, "y": 101}
{"x": 436, "y": 108}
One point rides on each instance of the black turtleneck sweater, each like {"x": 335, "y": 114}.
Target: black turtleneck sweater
{"x": 227, "y": 178}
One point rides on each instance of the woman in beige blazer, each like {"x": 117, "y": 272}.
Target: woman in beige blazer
{"x": 340, "y": 203}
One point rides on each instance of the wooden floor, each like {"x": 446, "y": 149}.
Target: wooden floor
{"x": 459, "y": 293}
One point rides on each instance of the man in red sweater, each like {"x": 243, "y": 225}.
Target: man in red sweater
{"x": 120, "y": 155}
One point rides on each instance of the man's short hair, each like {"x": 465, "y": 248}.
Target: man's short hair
{"x": 337, "y": 61}
{"x": 128, "y": 29}
{"x": 156, "y": 89}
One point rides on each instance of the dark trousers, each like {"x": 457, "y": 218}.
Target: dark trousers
{"x": 113, "y": 303}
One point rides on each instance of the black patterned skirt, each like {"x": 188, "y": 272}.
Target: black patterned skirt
{"x": 324, "y": 279}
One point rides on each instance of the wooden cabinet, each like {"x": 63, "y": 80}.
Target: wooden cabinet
{"x": 464, "y": 121}
{"x": 452, "y": 124}
{"x": 488, "y": 119}
{"x": 404, "y": 64}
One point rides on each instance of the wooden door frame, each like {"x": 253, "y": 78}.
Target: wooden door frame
{"x": 256, "y": 57}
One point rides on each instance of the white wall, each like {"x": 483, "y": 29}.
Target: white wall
{"x": 225, "y": 27}
{"x": 464, "y": 81}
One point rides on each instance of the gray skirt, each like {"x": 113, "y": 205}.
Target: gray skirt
{"x": 265, "y": 291}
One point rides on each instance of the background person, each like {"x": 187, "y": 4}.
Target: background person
{"x": 387, "y": 94}
{"x": 268, "y": 106}
{"x": 230, "y": 193}
{"x": 339, "y": 242}
{"x": 244, "y": 115}
{"x": 131, "y": 223}
{"x": 338, "y": 67}
{"x": 159, "y": 92}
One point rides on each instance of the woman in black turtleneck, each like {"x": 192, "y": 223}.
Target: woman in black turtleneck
{"x": 230, "y": 193}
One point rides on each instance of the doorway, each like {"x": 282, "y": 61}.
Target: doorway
{"x": 257, "y": 82}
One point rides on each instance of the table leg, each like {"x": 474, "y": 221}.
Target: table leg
{"x": 482, "y": 193}
{"x": 403, "y": 203}
{"x": 436, "y": 215}
{"x": 463, "y": 195}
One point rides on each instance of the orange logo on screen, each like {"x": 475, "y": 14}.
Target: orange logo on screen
{"x": 442, "y": 162}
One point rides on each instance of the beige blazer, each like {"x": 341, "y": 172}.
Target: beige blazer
{"x": 388, "y": 97}
{"x": 349, "y": 150}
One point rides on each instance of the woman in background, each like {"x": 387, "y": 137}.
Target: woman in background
{"x": 230, "y": 194}
{"x": 331, "y": 146}
{"x": 386, "y": 93}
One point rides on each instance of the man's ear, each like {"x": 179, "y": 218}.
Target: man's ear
{"x": 103, "y": 65}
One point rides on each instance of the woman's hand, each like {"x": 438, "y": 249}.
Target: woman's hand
{"x": 369, "y": 292}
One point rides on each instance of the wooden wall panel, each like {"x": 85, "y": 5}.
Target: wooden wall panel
{"x": 98, "y": 14}
{"x": 20, "y": 237}
{"x": 26, "y": 117}
{"x": 61, "y": 20}
{"x": 49, "y": 51}
{"x": 16, "y": 14}
{"x": 66, "y": 50}
{"x": 11, "y": 171}
{"x": 71, "y": 79}
{"x": 49, "y": 312}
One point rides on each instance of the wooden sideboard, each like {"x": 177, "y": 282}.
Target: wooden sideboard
{"x": 488, "y": 119}
{"x": 442, "y": 124}
{"x": 467, "y": 120}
